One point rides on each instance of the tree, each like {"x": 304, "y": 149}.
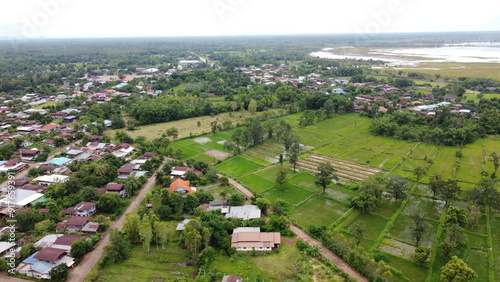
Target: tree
{"x": 293, "y": 153}
{"x": 280, "y": 207}
{"x": 435, "y": 183}
{"x": 236, "y": 200}
{"x": 119, "y": 248}
{"x": 109, "y": 202}
{"x": 419, "y": 172}
{"x": 397, "y": 186}
{"x": 455, "y": 215}
{"x": 421, "y": 254}
{"x": 193, "y": 243}
{"x": 132, "y": 227}
{"x": 146, "y": 234}
{"x": 419, "y": 227}
{"x": 252, "y": 106}
{"x": 26, "y": 219}
{"x": 59, "y": 272}
{"x": 80, "y": 248}
{"x": 495, "y": 159}
{"x": 449, "y": 190}
{"x": 453, "y": 237}
{"x": 326, "y": 172}
{"x": 358, "y": 230}
{"x": 473, "y": 216}
{"x": 214, "y": 126}
{"x": 456, "y": 270}
{"x": 162, "y": 233}
{"x": 364, "y": 201}
{"x": 281, "y": 177}
{"x": 117, "y": 122}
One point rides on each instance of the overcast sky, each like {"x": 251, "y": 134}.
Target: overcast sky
{"x": 111, "y": 18}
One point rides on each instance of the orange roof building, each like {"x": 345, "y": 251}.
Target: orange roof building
{"x": 181, "y": 186}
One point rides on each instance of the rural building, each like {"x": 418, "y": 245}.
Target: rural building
{"x": 82, "y": 209}
{"x": 51, "y": 179}
{"x": 39, "y": 264}
{"x": 181, "y": 186}
{"x": 246, "y": 239}
{"x": 243, "y": 212}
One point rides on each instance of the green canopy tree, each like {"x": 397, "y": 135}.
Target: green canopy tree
{"x": 456, "y": 270}
{"x": 326, "y": 172}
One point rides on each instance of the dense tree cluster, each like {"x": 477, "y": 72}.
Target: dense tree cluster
{"x": 444, "y": 128}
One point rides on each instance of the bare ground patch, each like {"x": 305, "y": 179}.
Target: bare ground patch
{"x": 202, "y": 140}
{"x": 218, "y": 154}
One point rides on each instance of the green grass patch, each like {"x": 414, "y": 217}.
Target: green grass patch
{"x": 318, "y": 210}
{"x": 409, "y": 269}
{"x": 387, "y": 208}
{"x": 374, "y": 224}
{"x": 273, "y": 266}
{"x": 478, "y": 261}
{"x": 429, "y": 207}
{"x": 340, "y": 193}
{"x": 292, "y": 194}
{"x": 165, "y": 265}
{"x": 256, "y": 183}
{"x": 402, "y": 231}
{"x": 476, "y": 241}
{"x": 305, "y": 181}
{"x": 238, "y": 166}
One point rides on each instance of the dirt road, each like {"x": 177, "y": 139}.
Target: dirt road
{"x": 311, "y": 242}
{"x": 328, "y": 254}
{"x": 79, "y": 273}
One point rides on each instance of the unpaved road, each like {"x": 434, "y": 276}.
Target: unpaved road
{"x": 340, "y": 263}
{"x": 311, "y": 242}
{"x": 79, "y": 273}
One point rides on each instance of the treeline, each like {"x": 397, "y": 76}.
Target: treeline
{"x": 445, "y": 128}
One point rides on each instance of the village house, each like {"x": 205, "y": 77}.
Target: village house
{"x": 181, "y": 186}
{"x": 39, "y": 264}
{"x": 58, "y": 241}
{"x": 19, "y": 198}
{"x": 246, "y": 239}
{"x": 12, "y": 165}
{"x": 115, "y": 188}
{"x": 125, "y": 172}
{"x": 123, "y": 150}
{"x": 82, "y": 209}
{"x": 245, "y": 212}
{"x": 29, "y": 155}
{"x": 78, "y": 223}
{"x": 51, "y": 179}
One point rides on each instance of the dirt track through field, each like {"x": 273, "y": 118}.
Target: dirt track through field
{"x": 311, "y": 242}
{"x": 81, "y": 271}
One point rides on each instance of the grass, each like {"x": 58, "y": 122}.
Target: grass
{"x": 274, "y": 266}
{"x": 374, "y": 224}
{"x": 305, "y": 181}
{"x": 318, "y": 211}
{"x": 292, "y": 194}
{"x": 48, "y": 104}
{"x": 475, "y": 98}
{"x": 237, "y": 166}
{"x": 188, "y": 127}
{"x": 160, "y": 264}
{"x": 478, "y": 261}
{"x": 409, "y": 269}
{"x": 257, "y": 183}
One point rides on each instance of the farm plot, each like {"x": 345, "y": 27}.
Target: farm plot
{"x": 304, "y": 181}
{"x": 318, "y": 211}
{"x": 340, "y": 193}
{"x": 478, "y": 261}
{"x": 238, "y": 166}
{"x": 402, "y": 231}
{"x": 374, "y": 225}
{"x": 256, "y": 183}
{"x": 429, "y": 207}
{"x": 291, "y": 194}
{"x": 268, "y": 152}
{"x": 425, "y": 152}
{"x": 412, "y": 271}
{"x": 346, "y": 171}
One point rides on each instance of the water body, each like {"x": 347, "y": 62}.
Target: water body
{"x": 478, "y": 52}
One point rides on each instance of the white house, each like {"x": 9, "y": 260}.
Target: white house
{"x": 51, "y": 179}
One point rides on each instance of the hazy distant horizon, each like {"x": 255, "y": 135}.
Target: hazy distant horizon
{"x": 58, "y": 19}
{"x": 369, "y": 35}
